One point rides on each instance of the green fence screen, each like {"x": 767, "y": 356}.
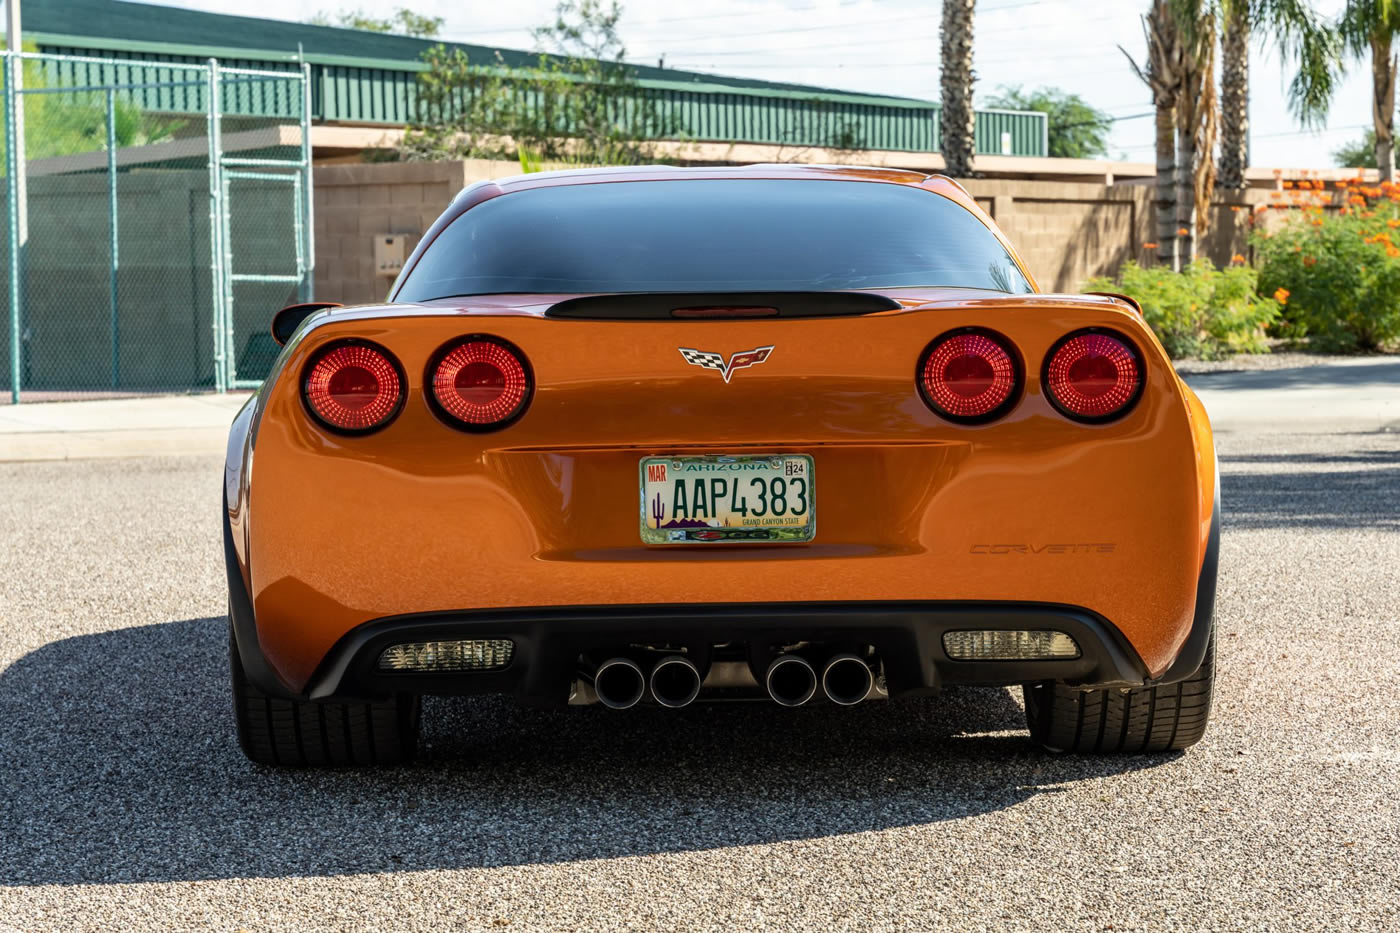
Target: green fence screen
{"x": 144, "y": 250}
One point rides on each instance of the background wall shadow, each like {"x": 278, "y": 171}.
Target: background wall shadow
{"x": 1362, "y": 491}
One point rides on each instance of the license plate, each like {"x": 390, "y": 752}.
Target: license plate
{"x": 747, "y": 499}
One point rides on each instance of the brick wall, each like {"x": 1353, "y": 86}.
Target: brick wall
{"x": 1066, "y": 231}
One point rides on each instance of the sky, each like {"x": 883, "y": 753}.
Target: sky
{"x": 891, "y": 47}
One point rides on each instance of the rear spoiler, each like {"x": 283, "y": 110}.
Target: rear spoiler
{"x": 286, "y": 321}
{"x": 1127, "y": 299}
{"x": 656, "y": 306}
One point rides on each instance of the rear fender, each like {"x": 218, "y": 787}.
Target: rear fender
{"x": 237, "y": 465}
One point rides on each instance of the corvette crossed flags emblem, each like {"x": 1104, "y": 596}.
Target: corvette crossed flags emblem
{"x": 741, "y": 360}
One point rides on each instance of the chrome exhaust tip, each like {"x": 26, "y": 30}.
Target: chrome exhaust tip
{"x": 846, "y": 680}
{"x": 675, "y": 682}
{"x": 790, "y": 680}
{"x": 619, "y": 683}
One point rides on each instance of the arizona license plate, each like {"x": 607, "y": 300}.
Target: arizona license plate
{"x": 727, "y": 500}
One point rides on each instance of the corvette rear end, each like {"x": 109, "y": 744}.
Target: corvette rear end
{"x": 690, "y": 460}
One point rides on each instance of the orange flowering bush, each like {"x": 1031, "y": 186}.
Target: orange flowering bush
{"x": 1336, "y": 273}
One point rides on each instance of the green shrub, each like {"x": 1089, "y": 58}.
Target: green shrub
{"x": 1201, "y": 311}
{"x": 1338, "y": 274}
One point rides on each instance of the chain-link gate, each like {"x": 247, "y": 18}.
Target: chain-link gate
{"x": 164, "y": 215}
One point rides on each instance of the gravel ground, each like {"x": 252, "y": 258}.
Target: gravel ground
{"x": 126, "y": 804}
{"x": 1256, "y": 362}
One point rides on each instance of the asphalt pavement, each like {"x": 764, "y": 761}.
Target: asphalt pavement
{"x": 125, "y": 803}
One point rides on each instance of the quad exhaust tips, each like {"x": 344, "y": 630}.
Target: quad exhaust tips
{"x": 790, "y": 680}
{"x": 846, "y": 680}
{"x": 675, "y": 682}
{"x": 619, "y": 683}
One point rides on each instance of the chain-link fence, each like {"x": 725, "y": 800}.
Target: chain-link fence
{"x": 160, "y": 216}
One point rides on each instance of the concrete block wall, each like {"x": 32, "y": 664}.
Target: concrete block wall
{"x": 357, "y": 203}
{"x": 1070, "y": 232}
{"x": 1067, "y": 232}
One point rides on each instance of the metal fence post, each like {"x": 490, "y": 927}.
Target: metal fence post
{"x": 12, "y": 189}
{"x": 216, "y": 275}
{"x": 226, "y": 241}
{"x": 112, "y": 227}
{"x": 299, "y": 228}
{"x": 309, "y": 212}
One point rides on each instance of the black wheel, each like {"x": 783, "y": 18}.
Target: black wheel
{"x": 1149, "y": 719}
{"x": 276, "y": 731}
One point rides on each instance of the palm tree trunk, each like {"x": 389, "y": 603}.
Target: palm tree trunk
{"x": 1196, "y": 125}
{"x": 1163, "y": 72}
{"x": 1234, "y": 99}
{"x": 958, "y": 121}
{"x": 1383, "y": 103}
{"x": 1185, "y": 190}
{"x": 1206, "y": 130}
{"x": 1165, "y": 202}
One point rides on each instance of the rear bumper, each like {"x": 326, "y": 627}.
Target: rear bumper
{"x": 549, "y": 642}
{"x": 907, "y": 637}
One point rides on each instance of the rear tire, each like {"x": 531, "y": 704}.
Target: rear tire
{"x": 296, "y": 733}
{"x": 1148, "y": 719}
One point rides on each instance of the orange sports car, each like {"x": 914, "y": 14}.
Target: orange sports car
{"x": 659, "y": 435}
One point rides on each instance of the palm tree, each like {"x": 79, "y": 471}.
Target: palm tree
{"x": 958, "y": 121}
{"x": 1365, "y": 28}
{"x": 1197, "y": 123}
{"x": 1162, "y": 74}
{"x": 1180, "y": 71}
{"x": 1371, "y": 26}
{"x": 1300, "y": 34}
{"x": 1234, "y": 95}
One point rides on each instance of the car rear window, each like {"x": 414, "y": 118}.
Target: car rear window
{"x": 700, "y": 235}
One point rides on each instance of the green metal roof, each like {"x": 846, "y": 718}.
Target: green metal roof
{"x": 367, "y": 77}
{"x": 118, "y": 25}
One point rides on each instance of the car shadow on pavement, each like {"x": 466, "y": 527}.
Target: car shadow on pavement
{"x": 118, "y": 764}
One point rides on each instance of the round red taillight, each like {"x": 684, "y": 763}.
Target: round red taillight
{"x": 970, "y": 376}
{"x": 1093, "y": 376}
{"x": 353, "y": 387}
{"x": 480, "y": 383}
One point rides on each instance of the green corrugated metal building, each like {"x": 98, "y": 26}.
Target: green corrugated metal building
{"x": 370, "y": 79}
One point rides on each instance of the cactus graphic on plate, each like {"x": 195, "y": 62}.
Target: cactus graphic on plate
{"x": 658, "y": 511}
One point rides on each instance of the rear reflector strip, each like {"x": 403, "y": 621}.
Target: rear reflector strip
{"x": 428, "y": 657}
{"x": 1009, "y": 645}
